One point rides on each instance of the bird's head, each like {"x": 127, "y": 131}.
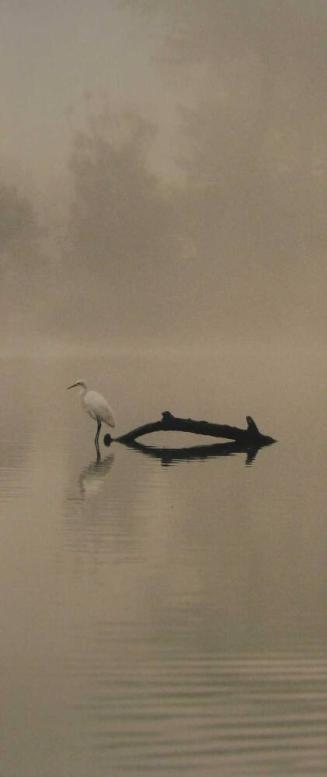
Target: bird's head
{"x": 80, "y": 383}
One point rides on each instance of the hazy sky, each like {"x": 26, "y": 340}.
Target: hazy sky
{"x": 58, "y": 61}
{"x": 170, "y": 167}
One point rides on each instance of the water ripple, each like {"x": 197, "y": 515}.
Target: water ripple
{"x": 213, "y": 714}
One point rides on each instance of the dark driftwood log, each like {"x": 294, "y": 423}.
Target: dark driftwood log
{"x": 246, "y": 437}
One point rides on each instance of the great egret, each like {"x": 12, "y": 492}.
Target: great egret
{"x": 96, "y": 406}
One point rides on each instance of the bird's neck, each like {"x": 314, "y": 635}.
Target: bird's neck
{"x": 82, "y": 391}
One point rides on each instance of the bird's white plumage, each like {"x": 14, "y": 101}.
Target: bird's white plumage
{"x": 97, "y": 407}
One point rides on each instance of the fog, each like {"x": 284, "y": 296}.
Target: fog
{"x": 163, "y": 172}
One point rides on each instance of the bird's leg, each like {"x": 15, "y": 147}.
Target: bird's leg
{"x": 96, "y": 439}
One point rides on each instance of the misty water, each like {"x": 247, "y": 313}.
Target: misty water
{"x": 163, "y": 617}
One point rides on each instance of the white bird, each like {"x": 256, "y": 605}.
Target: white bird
{"x": 96, "y": 406}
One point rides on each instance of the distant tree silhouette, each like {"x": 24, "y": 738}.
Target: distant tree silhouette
{"x": 124, "y": 227}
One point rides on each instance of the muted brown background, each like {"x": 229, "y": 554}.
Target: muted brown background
{"x": 163, "y": 171}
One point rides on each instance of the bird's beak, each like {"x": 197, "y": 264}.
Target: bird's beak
{"x": 72, "y": 386}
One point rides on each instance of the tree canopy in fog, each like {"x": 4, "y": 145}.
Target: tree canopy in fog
{"x": 233, "y": 243}
{"x": 20, "y": 268}
{"x": 124, "y": 233}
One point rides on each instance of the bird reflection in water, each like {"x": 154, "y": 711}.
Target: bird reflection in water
{"x": 92, "y": 477}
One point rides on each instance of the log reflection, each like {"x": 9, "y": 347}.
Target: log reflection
{"x": 169, "y": 456}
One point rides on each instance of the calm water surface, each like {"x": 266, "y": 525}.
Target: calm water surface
{"x": 157, "y": 617}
